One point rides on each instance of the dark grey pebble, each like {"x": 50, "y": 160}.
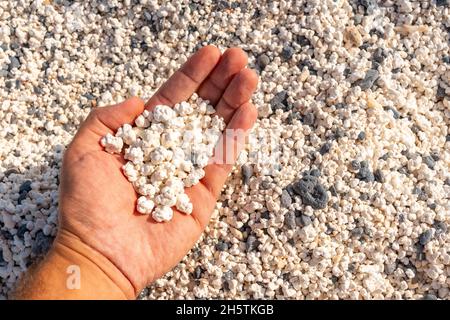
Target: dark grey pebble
{"x": 41, "y": 244}
{"x": 198, "y": 272}
{"x": 303, "y": 41}
{"x": 440, "y": 93}
{"x": 447, "y": 181}
{"x": 309, "y": 65}
{"x": 252, "y": 243}
{"x": 303, "y": 220}
{"x": 379, "y": 176}
{"x": 289, "y": 220}
{"x": 442, "y": 3}
{"x": 432, "y": 206}
{"x": 6, "y": 235}
{"x": 287, "y": 52}
{"x": 9, "y": 84}
{"x": 446, "y": 59}
{"x": 247, "y": 173}
{"x": 385, "y": 156}
{"x": 357, "y": 232}
{"x": 361, "y": 136}
{"x": 279, "y": 101}
{"x": 37, "y": 90}
{"x": 440, "y": 227}
{"x": 15, "y": 63}
{"x": 293, "y": 116}
{"x": 435, "y": 156}
{"x": 340, "y": 105}
{"x": 429, "y": 161}
{"x": 325, "y": 148}
{"x": 389, "y": 268}
{"x": 425, "y": 237}
{"x": 25, "y": 186}
{"x": 21, "y": 231}
{"x": 263, "y": 60}
{"x": 339, "y": 133}
{"x": 11, "y": 171}
{"x": 265, "y": 215}
{"x": 379, "y": 55}
{"x": 333, "y": 191}
{"x": 364, "y": 173}
{"x": 265, "y": 185}
{"x": 369, "y": 5}
{"x": 2, "y": 260}
{"x": 369, "y": 80}
{"x": 395, "y": 113}
{"x": 286, "y": 200}
{"x": 309, "y": 119}
{"x": 429, "y": 297}
{"x": 364, "y": 197}
{"x": 222, "y": 246}
{"x": 314, "y": 172}
{"x": 355, "y": 165}
{"x": 447, "y": 138}
{"x": 311, "y": 192}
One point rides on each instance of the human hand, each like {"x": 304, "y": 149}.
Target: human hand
{"x": 97, "y": 203}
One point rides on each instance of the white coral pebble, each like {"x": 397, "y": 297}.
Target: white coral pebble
{"x": 144, "y": 205}
{"x": 162, "y": 214}
{"x": 111, "y": 143}
{"x": 184, "y": 203}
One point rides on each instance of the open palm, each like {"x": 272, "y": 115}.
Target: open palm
{"x": 97, "y": 203}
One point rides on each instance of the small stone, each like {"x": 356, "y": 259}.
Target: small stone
{"x": 14, "y": 64}
{"x": 361, "y": 136}
{"x": 289, "y": 220}
{"x": 325, "y": 148}
{"x": 2, "y": 260}
{"x": 369, "y": 6}
{"x": 442, "y": 3}
{"x": 446, "y": 59}
{"x": 355, "y": 165}
{"x": 247, "y": 173}
{"x": 303, "y": 220}
{"x": 286, "y": 200}
{"x": 252, "y": 243}
{"x": 429, "y": 297}
{"x": 25, "y": 186}
{"x": 198, "y": 272}
{"x": 222, "y": 246}
{"x": 379, "y": 55}
{"x": 309, "y": 65}
{"x": 265, "y": 185}
{"x": 369, "y": 80}
{"x": 379, "y": 176}
{"x": 21, "y": 231}
{"x": 429, "y": 161}
{"x": 311, "y": 192}
{"x": 303, "y": 41}
{"x": 357, "y": 232}
{"x": 309, "y": 119}
{"x": 364, "y": 174}
{"x": 287, "y": 53}
{"x": 263, "y": 60}
{"x": 314, "y": 173}
{"x": 440, "y": 227}
{"x": 41, "y": 244}
{"x": 279, "y": 101}
{"x": 265, "y": 215}
{"x": 394, "y": 112}
{"x": 425, "y": 237}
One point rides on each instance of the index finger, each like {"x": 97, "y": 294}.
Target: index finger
{"x": 186, "y": 80}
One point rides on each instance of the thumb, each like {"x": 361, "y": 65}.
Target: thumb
{"x": 116, "y": 115}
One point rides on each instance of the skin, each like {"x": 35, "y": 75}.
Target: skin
{"x": 97, "y": 203}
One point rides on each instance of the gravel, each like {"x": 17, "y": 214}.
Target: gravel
{"x": 82, "y": 55}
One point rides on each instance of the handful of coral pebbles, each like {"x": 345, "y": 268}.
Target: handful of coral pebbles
{"x": 167, "y": 149}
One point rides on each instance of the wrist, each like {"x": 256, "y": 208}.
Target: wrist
{"x": 74, "y": 270}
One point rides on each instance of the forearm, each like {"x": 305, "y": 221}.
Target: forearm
{"x": 73, "y": 270}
